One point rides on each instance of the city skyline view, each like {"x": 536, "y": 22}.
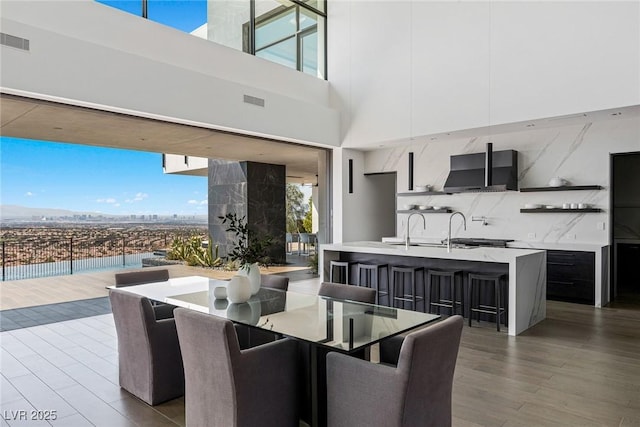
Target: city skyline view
{"x": 41, "y": 174}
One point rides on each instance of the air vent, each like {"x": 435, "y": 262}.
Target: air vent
{"x": 13, "y": 41}
{"x": 254, "y": 100}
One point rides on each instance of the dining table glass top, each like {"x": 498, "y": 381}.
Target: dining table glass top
{"x": 337, "y": 324}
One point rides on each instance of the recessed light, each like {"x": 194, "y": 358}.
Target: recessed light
{"x": 58, "y": 128}
{"x": 617, "y": 114}
{"x": 530, "y": 125}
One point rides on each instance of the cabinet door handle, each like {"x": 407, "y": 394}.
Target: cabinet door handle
{"x": 568, "y": 264}
{"x": 557, "y": 282}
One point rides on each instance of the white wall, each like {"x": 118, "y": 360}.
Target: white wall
{"x": 579, "y": 153}
{"x": 403, "y": 69}
{"x": 91, "y": 53}
{"x": 358, "y": 215}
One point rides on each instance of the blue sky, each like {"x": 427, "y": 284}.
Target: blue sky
{"x": 94, "y": 179}
{"x": 185, "y": 15}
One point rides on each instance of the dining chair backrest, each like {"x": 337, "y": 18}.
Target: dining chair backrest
{"x": 274, "y": 281}
{"x": 226, "y": 386}
{"x": 141, "y": 277}
{"x": 150, "y": 363}
{"x": 428, "y": 357}
{"x": 415, "y": 393}
{"x": 304, "y": 238}
{"x": 348, "y": 292}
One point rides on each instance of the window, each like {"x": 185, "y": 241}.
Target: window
{"x": 288, "y": 32}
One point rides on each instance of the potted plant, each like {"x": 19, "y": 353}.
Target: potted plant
{"x": 250, "y": 248}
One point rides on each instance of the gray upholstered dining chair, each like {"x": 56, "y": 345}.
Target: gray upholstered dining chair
{"x": 149, "y": 359}
{"x": 141, "y": 277}
{"x": 417, "y": 392}
{"x": 348, "y": 292}
{"x": 226, "y": 386}
{"x": 273, "y": 281}
{"x": 132, "y": 278}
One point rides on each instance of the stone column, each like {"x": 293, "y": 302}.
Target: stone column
{"x": 251, "y": 189}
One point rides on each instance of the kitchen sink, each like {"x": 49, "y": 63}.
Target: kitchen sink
{"x": 431, "y": 245}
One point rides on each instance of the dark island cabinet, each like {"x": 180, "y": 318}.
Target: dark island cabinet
{"x": 571, "y": 276}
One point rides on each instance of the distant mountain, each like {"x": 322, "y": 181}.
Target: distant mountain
{"x": 15, "y": 211}
{"x": 11, "y": 213}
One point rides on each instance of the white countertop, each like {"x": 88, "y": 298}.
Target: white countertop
{"x": 483, "y": 254}
{"x": 564, "y": 246}
{"x": 520, "y": 244}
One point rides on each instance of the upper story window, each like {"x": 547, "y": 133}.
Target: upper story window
{"x": 288, "y": 32}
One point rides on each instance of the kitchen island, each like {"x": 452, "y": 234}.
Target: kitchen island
{"x": 525, "y": 270}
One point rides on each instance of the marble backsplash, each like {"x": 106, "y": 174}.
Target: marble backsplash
{"x": 578, "y": 153}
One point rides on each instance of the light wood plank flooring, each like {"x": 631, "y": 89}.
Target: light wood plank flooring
{"x": 579, "y": 367}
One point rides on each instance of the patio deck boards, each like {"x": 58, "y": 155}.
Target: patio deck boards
{"x": 58, "y": 289}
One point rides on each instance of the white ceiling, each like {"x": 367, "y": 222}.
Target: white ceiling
{"x": 43, "y": 120}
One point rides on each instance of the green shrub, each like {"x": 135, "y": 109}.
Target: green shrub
{"x": 193, "y": 252}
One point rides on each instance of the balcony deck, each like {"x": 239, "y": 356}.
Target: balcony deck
{"x": 58, "y": 289}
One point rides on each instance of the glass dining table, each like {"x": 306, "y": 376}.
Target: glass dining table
{"x": 324, "y": 324}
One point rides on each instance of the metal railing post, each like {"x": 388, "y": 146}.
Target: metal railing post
{"x": 124, "y": 260}
{"x": 3, "y": 261}
{"x": 71, "y": 254}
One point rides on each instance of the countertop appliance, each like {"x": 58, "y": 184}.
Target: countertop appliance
{"x": 470, "y": 241}
{"x": 483, "y": 172}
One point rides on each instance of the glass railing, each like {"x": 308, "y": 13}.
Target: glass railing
{"x": 26, "y": 253}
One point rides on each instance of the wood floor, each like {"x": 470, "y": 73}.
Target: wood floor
{"x": 579, "y": 367}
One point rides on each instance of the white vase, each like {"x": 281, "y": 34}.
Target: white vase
{"x": 239, "y": 289}
{"x": 248, "y": 313}
{"x": 252, "y": 271}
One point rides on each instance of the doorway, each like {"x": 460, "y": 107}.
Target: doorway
{"x": 381, "y": 205}
{"x": 625, "y": 227}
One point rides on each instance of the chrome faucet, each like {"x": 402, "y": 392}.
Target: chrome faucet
{"x": 407, "y": 241}
{"x": 449, "y": 235}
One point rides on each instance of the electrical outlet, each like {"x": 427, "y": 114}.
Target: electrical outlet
{"x": 600, "y": 225}
{"x": 531, "y": 236}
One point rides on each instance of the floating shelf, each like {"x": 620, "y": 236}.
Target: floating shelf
{"x": 427, "y": 211}
{"x": 423, "y": 193}
{"x": 563, "y": 188}
{"x": 556, "y": 210}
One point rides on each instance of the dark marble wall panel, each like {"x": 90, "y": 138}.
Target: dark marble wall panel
{"x": 266, "y": 190}
{"x": 254, "y": 190}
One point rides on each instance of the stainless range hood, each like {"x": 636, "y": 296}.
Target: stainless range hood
{"x": 480, "y": 172}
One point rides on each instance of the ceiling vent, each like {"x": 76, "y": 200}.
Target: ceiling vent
{"x": 13, "y": 41}
{"x": 254, "y": 100}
